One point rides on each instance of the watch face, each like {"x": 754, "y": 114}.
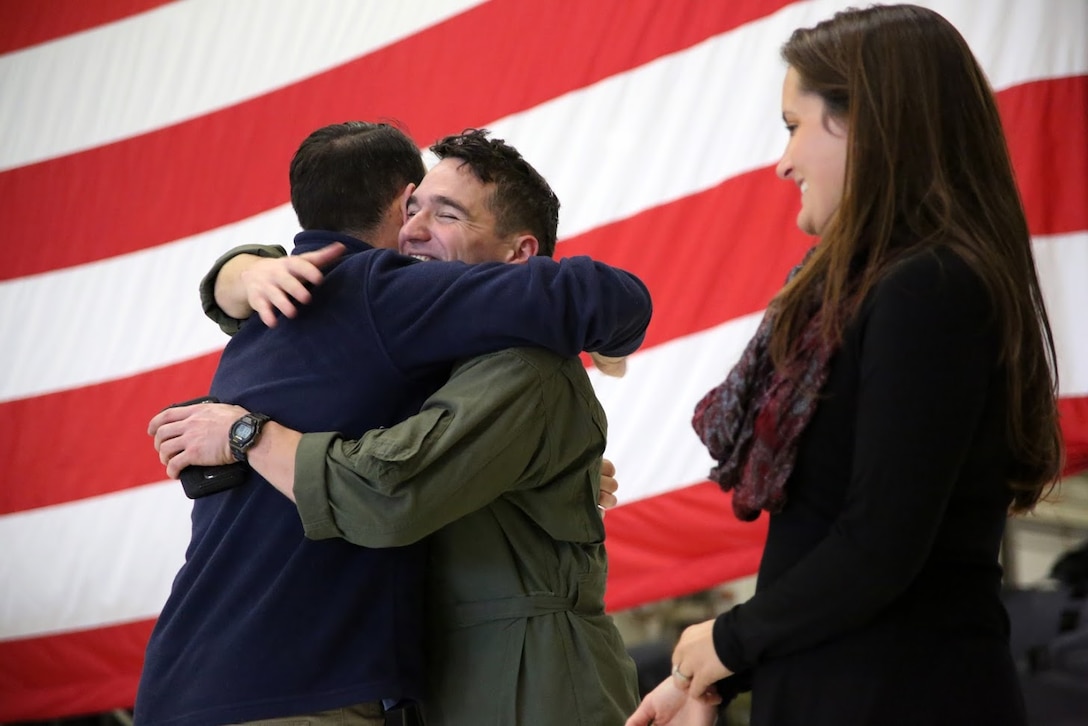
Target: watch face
{"x": 243, "y": 430}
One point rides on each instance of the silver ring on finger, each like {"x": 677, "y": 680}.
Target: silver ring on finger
{"x": 676, "y": 672}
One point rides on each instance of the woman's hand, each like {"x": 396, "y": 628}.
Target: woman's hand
{"x": 696, "y": 666}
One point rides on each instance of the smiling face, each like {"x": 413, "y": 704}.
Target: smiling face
{"x": 447, "y": 217}
{"x": 815, "y": 155}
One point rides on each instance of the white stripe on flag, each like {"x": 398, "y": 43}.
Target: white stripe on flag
{"x": 106, "y": 84}
{"x": 99, "y": 561}
{"x": 1062, "y": 262}
{"x": 124, "y": 315}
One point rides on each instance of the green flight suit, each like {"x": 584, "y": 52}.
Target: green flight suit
{"x": 501, "y": 469}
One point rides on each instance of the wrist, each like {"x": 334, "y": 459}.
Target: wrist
{"x": 273, "y": 457}
{"x": 231, "y": 294}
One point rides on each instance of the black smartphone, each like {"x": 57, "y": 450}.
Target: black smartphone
{"x": 201, "y": 481}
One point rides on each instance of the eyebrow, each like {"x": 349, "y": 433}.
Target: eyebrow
{"x": 442, "y": 200}
{"x": 448, "y": 202}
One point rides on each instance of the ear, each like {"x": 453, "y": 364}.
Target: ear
{"x": 402, "y": 202}
{"x": 525, "y": 247}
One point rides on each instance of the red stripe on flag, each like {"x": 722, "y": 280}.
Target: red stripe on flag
{"x": 24, "y": 23}
{"x": 93, "y": 440}
{"x": 1074, "y": 419}
{"x": 230, "y": 165}
{"x": 709, "y": 257}
{"x": 89, "y": 671}
{"x": 678, "y": 543}
{"x": 1045, "y": 125}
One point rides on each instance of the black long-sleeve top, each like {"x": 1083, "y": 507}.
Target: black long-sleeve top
{"x": 878, "y": 593}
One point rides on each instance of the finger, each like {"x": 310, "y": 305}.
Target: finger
{"x": 609, "y": 365}
{"x": 608, "y": 468}
{"x": 609, "y": 484}
{"x": 168, "y": 449}
{"x": 642, "y": 716}
{"x": 265, "y": 312}
{"x": 268, "y": 302}
{"x": 293, "y": 282}
{"x": 618, "y": 369}
{"x": 281, "y": 301}
{"x": 296, "y": 273}
{"x": 165, "y": 433}
{"x": 680, "y": 679}
{"x": 164, "y": 417}
{"x": 285, "y": 281}
{"x": 698, "y": 686}
{"x": 176, "y": 464}
{"x": 606, "y": 500}
{"x": 325, "y": 255}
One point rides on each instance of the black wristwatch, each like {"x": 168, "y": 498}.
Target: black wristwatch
{"x": 244, "y": 433}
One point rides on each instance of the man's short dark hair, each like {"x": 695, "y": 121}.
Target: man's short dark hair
{"x": 344, "y": 176}
{"x": 522, "y": 201}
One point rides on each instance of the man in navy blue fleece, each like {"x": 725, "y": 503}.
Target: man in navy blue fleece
{"x": 262, "y": 623}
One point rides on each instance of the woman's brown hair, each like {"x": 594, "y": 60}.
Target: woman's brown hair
{"x": 927, "y": 163}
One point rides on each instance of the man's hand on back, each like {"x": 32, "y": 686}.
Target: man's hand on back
{"x": 280, "y": 283}
{"x": 248, "y": 283}
{"x": 606, "y": 499}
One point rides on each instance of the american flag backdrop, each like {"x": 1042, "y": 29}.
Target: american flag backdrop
{"x": 140, "y": 138}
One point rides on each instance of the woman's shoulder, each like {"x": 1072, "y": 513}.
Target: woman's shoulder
{"x": 937, "y": 271}
{"x": 936, "y": 263}
{"x": 931, "y": 287}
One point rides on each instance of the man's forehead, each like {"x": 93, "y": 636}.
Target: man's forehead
{"x": 452, "y": 179}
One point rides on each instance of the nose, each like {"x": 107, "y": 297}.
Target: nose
{"x": 415, "y": 227}
{"x": 784, "y": 167}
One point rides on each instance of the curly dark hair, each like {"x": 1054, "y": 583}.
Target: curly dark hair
{"x": 522, "y": 201}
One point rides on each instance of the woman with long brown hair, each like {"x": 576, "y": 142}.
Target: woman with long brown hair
{"x": 895, "y": 405}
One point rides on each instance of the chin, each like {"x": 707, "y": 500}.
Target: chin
{"x": 805, "y": 225}
{"x": 810, "y": 226}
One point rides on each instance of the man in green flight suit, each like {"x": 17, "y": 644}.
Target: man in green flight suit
{"x": 501, "y": 469}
